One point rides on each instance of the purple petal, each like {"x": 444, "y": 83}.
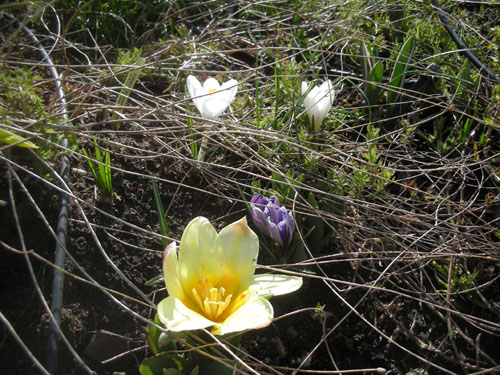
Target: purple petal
{"x": 259, "y": 200}
{"x": 274, "y": 213}
{"x": 274, "y": 233}
{"x": 274, "y": 200}
{"x": 270, "y": 218}
{"x": 259, "y": 219}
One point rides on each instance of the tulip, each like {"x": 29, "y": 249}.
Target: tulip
{"x": 273, "y": 220}
{"x": 318, "y": 102}
{"x": 211, "y": 99}
{"x": 211, "y": 281}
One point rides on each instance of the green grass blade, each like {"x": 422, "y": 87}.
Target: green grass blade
{"x": 107, "y": 174}
{"x": 365, "y": 61}
{"x": 400, "y": 68}
{"x": 101, "y": 170}
{"x": 160, "y": 212}
{"x": 101, "y": 181}
{"x": 91, "y": 165}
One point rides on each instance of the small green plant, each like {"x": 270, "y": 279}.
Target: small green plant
{"x": 373, "y": 73}
{"x": 417, "y": 371}
{"x": 102, "y": 171}
{"x": 20, "y": 94}
{"x": 461, "y": 279}
{"x": 164, "y": 359}
{"x": 21, "y": 98}
{"x": 368, "y": 171}
{"x": 119, "y": 23}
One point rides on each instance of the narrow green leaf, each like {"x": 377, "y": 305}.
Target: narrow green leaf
{"x": 160, "y": 212}
{"x": 11, "y": 138}
{"x": 377, "y": 73}
{"x": 129, "y": 84}
{"x": 373, "y": 86}
{"x": 400, "y": 68}
{"x": 91, "y": 164}
{"x": 102, "y": 171}
{"x": 365, "y": 61}
{"x": 153, "y": 335}
{"x": 107, "y": 173}
{"x": 155, "y": 280}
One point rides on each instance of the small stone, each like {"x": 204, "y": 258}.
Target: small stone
{"x": 105, "y": 345}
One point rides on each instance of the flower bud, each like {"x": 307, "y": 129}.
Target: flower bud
{"x": 272, "y": 219}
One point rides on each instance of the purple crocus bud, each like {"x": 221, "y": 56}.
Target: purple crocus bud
{"x": 272, "y": 219}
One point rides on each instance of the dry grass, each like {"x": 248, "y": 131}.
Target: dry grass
{"x": 414, "y": 264}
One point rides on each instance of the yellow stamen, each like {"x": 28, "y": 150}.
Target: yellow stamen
{"x": 211, "y": 91}
{"x": 214, "y": 303}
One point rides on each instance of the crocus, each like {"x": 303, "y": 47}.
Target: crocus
{"x": 211, "y": 281}
{"x": 318, "y": 102}
{"x": 273, "y": 220}
{"x": 211, "y": 99}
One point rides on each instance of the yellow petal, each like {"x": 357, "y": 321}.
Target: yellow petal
{"x": 256, "y": 313}
{"x": 269, "y": 285}
{"x": 201, "y": 259}
{"x": 171, "y": 272}
{"x": 241, "y": 248}
{"x": 177, "y": 317}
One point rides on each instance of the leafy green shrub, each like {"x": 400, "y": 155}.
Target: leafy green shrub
{"x": 117, "y": 22}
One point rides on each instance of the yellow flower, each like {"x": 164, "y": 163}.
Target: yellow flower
{"x": 211, "y": 282}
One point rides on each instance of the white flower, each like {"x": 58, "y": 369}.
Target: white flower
{"x": 318, "y": 102}
{"x": 211, "y": 99}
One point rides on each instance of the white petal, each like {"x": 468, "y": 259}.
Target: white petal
{"x": 177, "y": 317}
{"x": 211, "y": 85}
{"x": 326, "y": 86}
{"x": 256, "y": 313}
{"x": 328, "y": 92}
{"x": 241, "y": 248}
{"x": 171, "y": 272}
{"x": 229, "y": 90}
{"x": 192, "y": 84}
{"x": 195, "y": 91}
{"x": 201, "y": 257}
{"x": 304, "y": 86}
{"x": 213, "y": 107}
{"x": 274, "y": 285}
{"x": 318, "y": 103}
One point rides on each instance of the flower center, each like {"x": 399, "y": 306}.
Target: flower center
{"x": 211, "y": 91}
{"x": 214, "y": 304}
